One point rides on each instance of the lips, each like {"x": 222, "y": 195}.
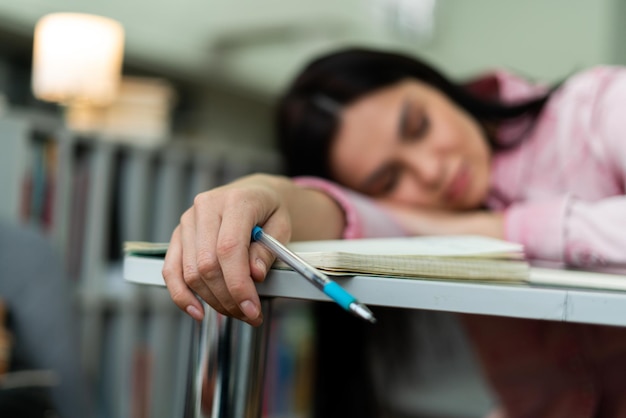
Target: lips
{"x": 459, "y": 184}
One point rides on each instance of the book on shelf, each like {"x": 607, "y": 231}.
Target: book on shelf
{"x": 462, "y": 257}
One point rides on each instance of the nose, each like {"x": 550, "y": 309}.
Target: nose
{"x": 426, "y": 167}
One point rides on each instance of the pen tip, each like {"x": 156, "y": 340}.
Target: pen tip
{"x": 362, "y": 311}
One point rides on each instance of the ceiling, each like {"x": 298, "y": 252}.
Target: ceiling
{"x": 258, "y": 45}
{"x": 254, "y": 44}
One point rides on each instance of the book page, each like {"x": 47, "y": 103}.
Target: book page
{"x": 436, "y": 246}
{"x": 442, "y": 246}
{"x": 145, "y": 248}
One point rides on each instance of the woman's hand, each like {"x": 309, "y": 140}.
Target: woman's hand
{"x": 438, "y": 222}
{"x": 210, "y": 252}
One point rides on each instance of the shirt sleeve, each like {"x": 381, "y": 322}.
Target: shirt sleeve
{"x": 577, "y": 231}
{"x": 571, "y": 230}
{"x": 364, "y": 218}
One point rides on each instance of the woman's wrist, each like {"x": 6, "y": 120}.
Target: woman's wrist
{"x": 486, "y": 223}
{"x": 435, "y": 222}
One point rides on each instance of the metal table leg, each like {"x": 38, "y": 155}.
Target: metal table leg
{"x": 226, "y": 366}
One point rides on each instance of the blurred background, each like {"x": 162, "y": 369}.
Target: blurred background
{"x": 193, "y": 109}
{"x": 226, "y": 55}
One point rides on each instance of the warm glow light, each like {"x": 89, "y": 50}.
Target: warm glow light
{"x": 77, "y": 58}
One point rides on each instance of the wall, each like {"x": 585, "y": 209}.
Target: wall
{"x": 619, "y": 35}
{"x": 228, "y": 115}
{"x": 545, "y": 40}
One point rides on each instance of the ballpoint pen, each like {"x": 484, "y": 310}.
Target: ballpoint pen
{"x": 319, "y": 279}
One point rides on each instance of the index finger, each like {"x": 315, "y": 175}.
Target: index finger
{"x": 233, "y": 253}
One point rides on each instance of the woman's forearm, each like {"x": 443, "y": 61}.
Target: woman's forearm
{"x": 434, "y": 222}
{"x": 314, "y": 214}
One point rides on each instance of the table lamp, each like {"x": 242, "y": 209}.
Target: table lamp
{"x": 77, "y": 59}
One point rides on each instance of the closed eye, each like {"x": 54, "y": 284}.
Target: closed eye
{"x": 414, "y": 123}
{"x": 383, "y": 181}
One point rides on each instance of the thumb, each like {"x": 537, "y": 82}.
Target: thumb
{"x": 261, "y": 260}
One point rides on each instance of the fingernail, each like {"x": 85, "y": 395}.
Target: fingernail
{"x": 261, "y": 265}
{"x": 194, "y": 313}
{"x": 249, "y": 309}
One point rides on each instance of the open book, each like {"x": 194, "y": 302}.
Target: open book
{"x": 462, "y": 257}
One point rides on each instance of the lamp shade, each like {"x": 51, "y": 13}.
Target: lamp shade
{"x": 77, "y": 58}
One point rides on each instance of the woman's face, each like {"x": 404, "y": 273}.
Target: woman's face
{"x": 408, "y": 143}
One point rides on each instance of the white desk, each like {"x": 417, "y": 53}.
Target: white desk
{"x": 522, "y": 301}
{"x": 229, "y": 354}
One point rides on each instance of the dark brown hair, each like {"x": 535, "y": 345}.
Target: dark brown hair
{"x": 306, "y": 124}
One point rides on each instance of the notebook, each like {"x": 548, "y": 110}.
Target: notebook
{"x": 462, "y": 257}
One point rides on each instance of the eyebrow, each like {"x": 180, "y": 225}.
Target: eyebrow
{"x": 385, "y": 168}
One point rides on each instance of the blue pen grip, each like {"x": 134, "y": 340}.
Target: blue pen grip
{"x": 256, "y": 231}
{"x": 339, "y": 295}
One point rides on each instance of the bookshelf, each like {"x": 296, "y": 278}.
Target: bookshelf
{"x": 102, "y": 192}
{"x": 89, "y": 194}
